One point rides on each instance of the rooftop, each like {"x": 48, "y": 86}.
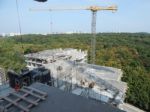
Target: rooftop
{"x": 60, "y": 101}
{"x": 5, "y": 90}
{"x": 55, "y": 53}
{"x": 99, "y": 74}
{"x": 107, "y": 73}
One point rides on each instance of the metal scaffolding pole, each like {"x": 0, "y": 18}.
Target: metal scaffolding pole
{"x": 2, "y": 76}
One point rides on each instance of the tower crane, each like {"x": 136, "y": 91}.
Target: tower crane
{"x": 94, "y": 10}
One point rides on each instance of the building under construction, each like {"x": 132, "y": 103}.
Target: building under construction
{"x": 43, "y": 58}
{"x": 70, "y": 72}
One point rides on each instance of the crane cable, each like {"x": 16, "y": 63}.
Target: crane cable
{"x": 19, "y": 23}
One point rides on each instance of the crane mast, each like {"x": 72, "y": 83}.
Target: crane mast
{"x": 93, "y": 40}
{"x": 94, "y": 10}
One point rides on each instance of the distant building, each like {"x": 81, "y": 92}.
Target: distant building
{"x": 14, "y": 34}
{"x": 2, "y": 35}
{"x": 9, "y": 34}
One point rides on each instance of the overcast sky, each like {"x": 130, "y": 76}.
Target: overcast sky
{"x": 132, "y": 16}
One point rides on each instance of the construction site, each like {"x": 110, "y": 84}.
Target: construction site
{"x": 70, "y": 72}
{"x": 73, "y": 74}
{"x": 66, "y": 70}
{"x": 64, "y": 79}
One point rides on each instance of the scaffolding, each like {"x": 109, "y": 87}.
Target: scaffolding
{"x": 2, "y": 76}
{"x": 75, "y": 79}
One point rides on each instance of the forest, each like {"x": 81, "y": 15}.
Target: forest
{"x": 127, "y": 51}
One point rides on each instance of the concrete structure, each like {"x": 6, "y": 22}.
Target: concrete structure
{"x": 129, "y": 108}
{"x": 92, "y": 81}
{"x": 39, "y": 59}
{"x": 4, "y": 87}
{"x": 71, "y": 73}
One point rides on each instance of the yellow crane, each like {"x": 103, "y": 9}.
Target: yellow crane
{"x": 94, "y": 10}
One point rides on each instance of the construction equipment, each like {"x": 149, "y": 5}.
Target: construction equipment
{"x": 94, "y": 10}
{"x": 27, "y": 77}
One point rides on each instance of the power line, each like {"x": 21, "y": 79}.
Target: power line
{"x": 19, "y": 22}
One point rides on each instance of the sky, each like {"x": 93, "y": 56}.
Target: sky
{"x": 132, "y": 16}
